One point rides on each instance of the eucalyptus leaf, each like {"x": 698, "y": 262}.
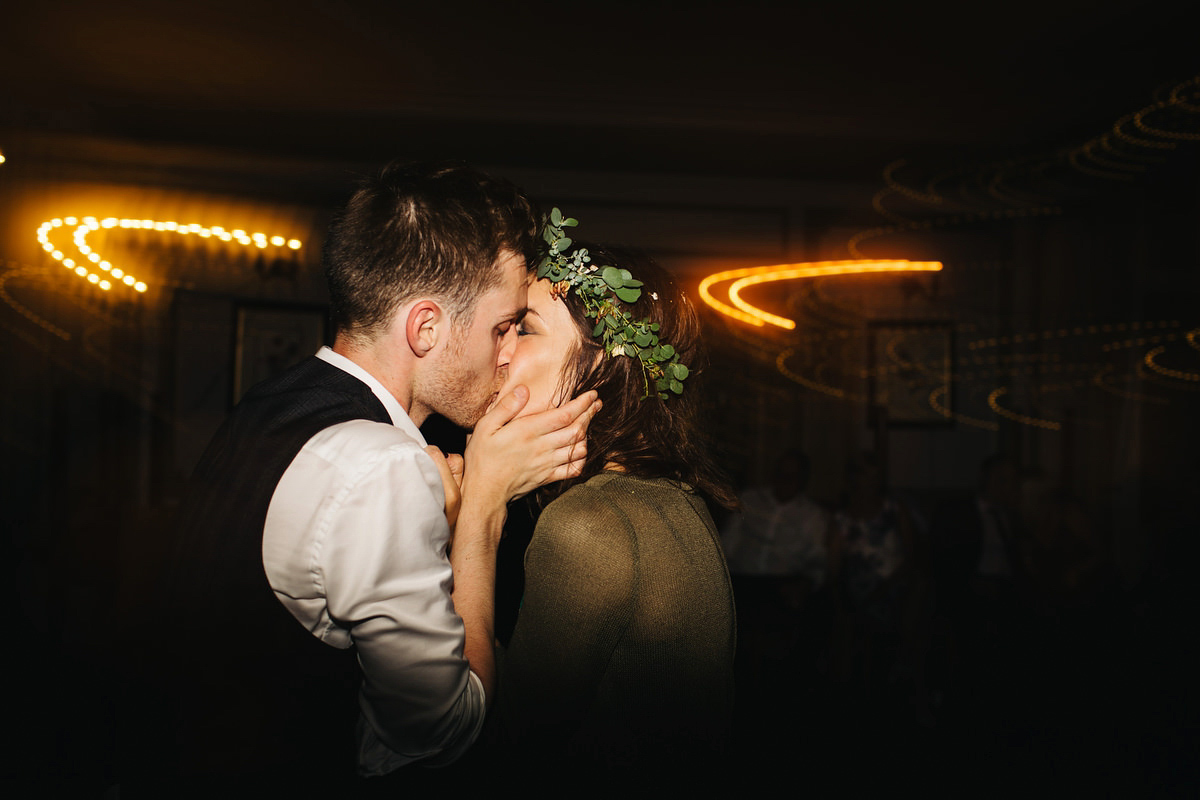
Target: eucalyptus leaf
{"x": 599, "y": 288}
{"x": 628, "y": 295}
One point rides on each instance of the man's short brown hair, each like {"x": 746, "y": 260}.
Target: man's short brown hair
{"x": 434, "y": 229}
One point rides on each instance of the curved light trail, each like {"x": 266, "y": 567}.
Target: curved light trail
{"x": 25, "y": 271}
{"x": 994, "y": 403}
{"x": 824, "y": 388}
{"x": 739, "y": 309}
{"x": 937, "y": 403}
{"x": 111, "y": 275}
{"x": 1151, "y": 361}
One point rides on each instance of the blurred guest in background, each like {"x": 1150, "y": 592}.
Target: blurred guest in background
{"x": 980, "y": 557}
{"x": 776, "y": 552}
{"x": 878, "y": 588}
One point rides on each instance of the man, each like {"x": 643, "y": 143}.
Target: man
{"x": 318, "y": 502}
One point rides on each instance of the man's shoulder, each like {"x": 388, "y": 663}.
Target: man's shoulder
{"x": 361, "y": 438}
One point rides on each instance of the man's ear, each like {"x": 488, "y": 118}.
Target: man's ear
{"x": 425, "y": 325}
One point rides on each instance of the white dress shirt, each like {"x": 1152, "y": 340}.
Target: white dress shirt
{"x": 354, "y": 547}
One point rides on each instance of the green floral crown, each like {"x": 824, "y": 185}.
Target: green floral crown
{"x": 597, "y": 286}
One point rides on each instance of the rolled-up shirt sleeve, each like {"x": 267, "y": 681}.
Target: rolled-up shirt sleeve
{"x": 355, "y": 547}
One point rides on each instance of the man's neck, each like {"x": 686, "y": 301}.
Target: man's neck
{"x": 389, "y": 368}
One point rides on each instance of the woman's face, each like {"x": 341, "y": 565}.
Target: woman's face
{"x": 546, "y": 339}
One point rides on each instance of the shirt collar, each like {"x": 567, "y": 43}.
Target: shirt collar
{"x": 396, "y": 411}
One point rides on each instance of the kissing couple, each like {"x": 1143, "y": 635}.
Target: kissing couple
{"x": 330, "y": 606}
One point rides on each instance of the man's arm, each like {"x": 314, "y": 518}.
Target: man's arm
{"x": 355, "y": 547}
{"x": 506, "y": 458}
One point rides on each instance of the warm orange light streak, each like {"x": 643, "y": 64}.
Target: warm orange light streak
{"x": 994, "y": 403}
{"x": 92, "y": 224}
{"x": 1178, "y": 374}
{"x": 937, "y": 403}
{"x": 752, "y": 276}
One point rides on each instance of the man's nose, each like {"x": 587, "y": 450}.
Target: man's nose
{"x": 508, "y": 346}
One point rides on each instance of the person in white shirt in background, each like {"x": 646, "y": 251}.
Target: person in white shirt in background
{"x": 776, "y": 551}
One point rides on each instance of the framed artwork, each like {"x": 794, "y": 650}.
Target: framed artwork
{"x": 911, "y": 372}
{"x": 269, "y": 339}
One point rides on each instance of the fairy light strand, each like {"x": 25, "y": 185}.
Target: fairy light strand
{"x": 739, "y": 309}
{"x": 106, "y": 274}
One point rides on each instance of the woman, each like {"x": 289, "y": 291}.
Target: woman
{"x": 622, "y": 654}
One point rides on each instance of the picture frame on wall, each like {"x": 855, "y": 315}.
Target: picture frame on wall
{"x": 271, "y": 338}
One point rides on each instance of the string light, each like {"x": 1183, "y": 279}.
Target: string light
{"x": 936, "y": 403}
{"x": 824, "y": 388}
{"x": 25, "y": 271}
{"x": 994, "y": 403}
{"x": 959, "y": 219}
{"x": 752, "y": 276}
{"x": 1121, "y": 153}
{"x": 1139, "y": 120}
{"x": 1100, "y": 381}
{"x": 932, "y": 198}
{"x": 82, "y": 228}
{"x": 1150, "y": 360}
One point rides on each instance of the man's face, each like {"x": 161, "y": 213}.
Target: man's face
{"x": 476, "y": 359}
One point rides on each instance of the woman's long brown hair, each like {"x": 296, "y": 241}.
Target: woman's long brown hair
{"x": 645, "y": 436}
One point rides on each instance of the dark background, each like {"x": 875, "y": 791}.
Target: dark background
{"x": 1002, "y": 140}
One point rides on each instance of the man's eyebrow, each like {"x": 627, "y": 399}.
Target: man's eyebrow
{"x": 514, "y": 317}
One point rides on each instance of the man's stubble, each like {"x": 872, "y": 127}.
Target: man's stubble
{"x": 457, "y": 393}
